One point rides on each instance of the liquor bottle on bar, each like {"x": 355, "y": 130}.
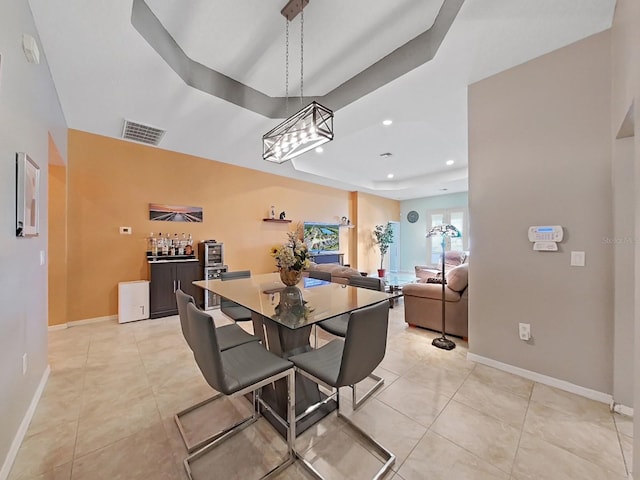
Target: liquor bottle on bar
{"x": 165, "y": 244}
{"x": 181, "y": 245}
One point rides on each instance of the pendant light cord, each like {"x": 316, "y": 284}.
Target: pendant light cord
{"x": 301, "y": 58}
{"x": 286, "y": 69}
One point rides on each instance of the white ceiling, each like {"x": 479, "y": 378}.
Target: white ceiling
{"x": 105, "y": 71}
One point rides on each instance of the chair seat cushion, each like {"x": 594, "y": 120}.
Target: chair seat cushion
{"x": 336, "y": 325}
{"x": 323, "y": 363}
{"x": 236, "y": 312}
{"x": 247, "y": 364}
{"x": 230, "y": 336}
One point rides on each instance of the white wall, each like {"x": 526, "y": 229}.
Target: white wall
{"x": 622, "y": 244}
{"x": 29, "y": 108}
{"x": 413, "y": 244}
{"x": 540, "y": 153}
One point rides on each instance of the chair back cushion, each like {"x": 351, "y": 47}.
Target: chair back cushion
{"x": 182, "y": 299}
{"x": 235, "y": 275}
{"x": 458, "y": 278}
{"x": 320, "y": 275}
{"x": 236, "y": 312}
{"x": 205, "y": 347}
{"x": 365, "y": 343}
{"x": 372, "y": 283}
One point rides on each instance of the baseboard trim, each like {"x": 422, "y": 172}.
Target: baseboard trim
{"x": 24, "y": 425}
{"x": 88, "y": 321}
{"x": 544, "y": 379}
{"x": 61, "y": 326}
{"x": 622, "y": 409}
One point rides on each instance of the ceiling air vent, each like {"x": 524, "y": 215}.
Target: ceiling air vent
{"x": 142, "y": 133}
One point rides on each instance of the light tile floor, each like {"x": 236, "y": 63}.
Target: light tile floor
{"x": 107, "y": 413}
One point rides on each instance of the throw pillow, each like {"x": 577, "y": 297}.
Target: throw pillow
{"x": 458, "y": 278}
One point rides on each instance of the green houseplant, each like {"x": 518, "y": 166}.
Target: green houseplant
{"x": 383, "y": 237}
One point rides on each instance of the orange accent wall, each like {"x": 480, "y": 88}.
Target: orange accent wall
{"x": 111, "y": 183}
{"x": 372, "y": 211}
{"x": 57, "y": 247}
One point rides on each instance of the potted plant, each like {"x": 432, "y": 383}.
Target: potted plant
{"x": 383, "y": 237}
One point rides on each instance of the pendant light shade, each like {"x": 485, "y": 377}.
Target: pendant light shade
{"x": 309, "y": 128}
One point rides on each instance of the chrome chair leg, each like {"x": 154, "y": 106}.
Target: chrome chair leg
{"x": 238, "y": 427}
{"x": 358, "y": 403}
{"x": 385, "y": 454}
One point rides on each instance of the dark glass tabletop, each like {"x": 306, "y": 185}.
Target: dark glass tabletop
{"x": 309, "y": 302}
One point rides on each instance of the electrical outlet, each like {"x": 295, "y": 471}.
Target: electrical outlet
{"x": 524, "y": 330}
{"x": 24, "y": 364}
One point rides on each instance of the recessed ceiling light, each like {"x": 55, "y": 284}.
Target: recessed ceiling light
{"x": 390, "y": 175}
{"x": 319, "y": 150}
{"x": 387, "y": 122}
{"x": 450, "y": 162}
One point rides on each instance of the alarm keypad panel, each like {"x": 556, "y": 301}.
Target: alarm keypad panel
{"x": 546, "y": 234}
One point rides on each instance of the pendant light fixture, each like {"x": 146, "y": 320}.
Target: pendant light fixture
{"x": 306, "y": 129}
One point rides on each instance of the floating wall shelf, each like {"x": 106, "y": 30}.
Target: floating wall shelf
{"x": 276, "y": 220}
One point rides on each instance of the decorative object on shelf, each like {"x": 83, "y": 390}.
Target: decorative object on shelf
{"x": 272, "y": 212}
{"x": 161, "y": 212}
{"x": 27, "y": 196}
{"x": 291, "y": 258}
{"x": 345, "y": 222}
{"x": 306, "y": 129}
{"x": 383, "y": 238}
{"x": 445, "y": 231}
{"x": 412, "y": 216}
{"x": 282, "y": 215}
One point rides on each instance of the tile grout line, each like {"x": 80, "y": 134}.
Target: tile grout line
{"x": 588, "y": 421}
{"x": 82, "y": 393}
{"x": 624, "y": 459}
{"x": 176, "y": 469}
{"x": 524, "y": 421}
{"x": 428, "y": 429}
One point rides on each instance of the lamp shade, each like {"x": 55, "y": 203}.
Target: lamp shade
{"x": 309, "y": 128}
{"x": 445, "y": 230}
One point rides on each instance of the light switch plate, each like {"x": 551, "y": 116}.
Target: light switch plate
{"x": 42, "y": 257}
{"x": 577, "y": 259}
{"x": 125, "y": 230}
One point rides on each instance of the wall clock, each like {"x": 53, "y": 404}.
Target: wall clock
{"x": 412, "y": 216}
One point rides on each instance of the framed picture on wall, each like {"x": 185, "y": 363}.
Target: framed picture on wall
{"x": 27, "y": 196}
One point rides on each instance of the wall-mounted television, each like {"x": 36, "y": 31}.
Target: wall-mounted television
{"x": 322, "y": 237}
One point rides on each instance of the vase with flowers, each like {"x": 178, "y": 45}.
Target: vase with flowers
{"x": 292, "y": 258}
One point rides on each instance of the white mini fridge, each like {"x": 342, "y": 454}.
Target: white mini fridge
{"x": 133, "y": 301}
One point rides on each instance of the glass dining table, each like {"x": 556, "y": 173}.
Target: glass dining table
{"x": 283, "y": 318}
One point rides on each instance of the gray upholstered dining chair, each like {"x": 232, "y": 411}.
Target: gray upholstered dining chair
{"x": 229, "y": 336}
{"x": 235, "y": 312}
{"x": 238, "y": 371}
{"x": 345, "y": 363}
{"x": 338, "y": 326}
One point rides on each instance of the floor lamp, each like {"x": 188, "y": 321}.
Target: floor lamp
{"x": 445, "y": 231}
